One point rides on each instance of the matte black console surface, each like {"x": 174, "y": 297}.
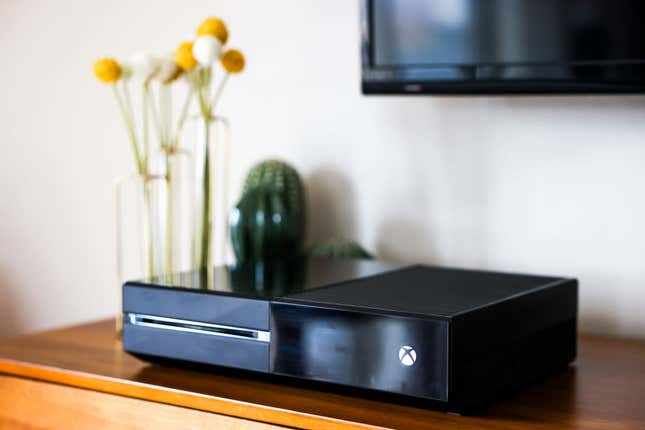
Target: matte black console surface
{"x": 456, "y": 338}
{"x": 426, "y": 290}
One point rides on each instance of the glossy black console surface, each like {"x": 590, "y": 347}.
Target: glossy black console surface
{"x": 269, "y": 279}
{"x": 361, "y": 349}
{"x": 415, "y": 289}
{"x": 458, "y": 338}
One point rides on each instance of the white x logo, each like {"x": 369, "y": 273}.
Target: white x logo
{"x": 407, "y": 355}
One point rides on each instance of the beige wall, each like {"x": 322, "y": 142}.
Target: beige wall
{"x": 538, "y": 184}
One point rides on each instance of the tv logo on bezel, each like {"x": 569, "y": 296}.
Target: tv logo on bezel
{"x": 407, "y": 355}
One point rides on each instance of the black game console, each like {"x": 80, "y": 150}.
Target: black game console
{"x": 457, "y": 338}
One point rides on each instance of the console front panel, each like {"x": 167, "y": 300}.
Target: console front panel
{"x": 365, "y": 350}
{"x": 196, "y": 341}
{"x": 195, "y": 305}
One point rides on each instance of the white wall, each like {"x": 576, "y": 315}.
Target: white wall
{"x": 537, "y": 184}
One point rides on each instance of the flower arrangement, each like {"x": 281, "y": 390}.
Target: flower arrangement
{"x": 193, "y": 63}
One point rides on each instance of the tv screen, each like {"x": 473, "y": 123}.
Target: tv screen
{"x": 503, "y": 46}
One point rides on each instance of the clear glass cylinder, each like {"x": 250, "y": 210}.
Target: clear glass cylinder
{"x": 154, "y": 219}
{"x": 209, "y": 141}
{"x": 175, "y": 218}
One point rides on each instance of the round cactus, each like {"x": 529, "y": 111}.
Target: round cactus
{"x": 269, "y": 220}
{"x": 264, "y": 225}
{"x": 280, "y": 176}
{"x": 338, "y": 248}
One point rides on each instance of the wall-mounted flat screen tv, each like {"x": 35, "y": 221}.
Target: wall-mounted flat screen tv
{"x": 503, "y": 46}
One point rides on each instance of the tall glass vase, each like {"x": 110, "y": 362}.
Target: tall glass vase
{"x": 211, "y": 147}
{"x": 154, "y": 219}
{"x": 174, "y": 218}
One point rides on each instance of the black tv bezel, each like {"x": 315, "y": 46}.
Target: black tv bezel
{"x": 388, "y": 80}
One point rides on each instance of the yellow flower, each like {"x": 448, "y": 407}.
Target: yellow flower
{"x": 107, "y": 70}
{"x": 233, "y": 61}
{"x": 184, "y": 56}
{"x": 213, "y": 27}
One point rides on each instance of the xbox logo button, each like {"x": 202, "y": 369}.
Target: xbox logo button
{"x": 407, "y": 355}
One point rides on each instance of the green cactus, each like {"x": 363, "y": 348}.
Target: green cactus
{"x": 264, "y": 226}
{"x": 338, "y": 248}
{"x": 269, "y": 220}
{"x": 280, "y": 176}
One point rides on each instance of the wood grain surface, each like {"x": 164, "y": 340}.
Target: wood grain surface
{"x": 28, "y": 404}
{"x": 604, "y": 389}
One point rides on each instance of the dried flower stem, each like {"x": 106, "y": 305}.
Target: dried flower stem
{"x": 129, "y": 125}
{"x": 144, "y": 119}
{"x": 165, "y": 100}
{"x": 183, "y": 115}
{"x": 128, "y": 101}
{"x": 150, "y": 101}
{"x": 219, "y": 91}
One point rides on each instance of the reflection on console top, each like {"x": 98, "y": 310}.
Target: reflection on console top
{"x": 414, "y": 289}
{"x": 271, "y": 279}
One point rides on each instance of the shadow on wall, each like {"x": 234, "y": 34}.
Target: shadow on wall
{"x": 447, "y": 174}
{"x": 577, "y": 103}
{"x": 403, "y": 240}
{"x": 597, "y": 313}
{"x": 330, "y": 204}
{"x": 9, "y": 319}
{"x": 446, "y": 183}
{"x": 594, "y": 322}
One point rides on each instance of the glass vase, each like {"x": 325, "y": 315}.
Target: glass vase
{"x": 210, "y": 143}
{"x": 175, "y": 217}
{"x": 155, "y": 212}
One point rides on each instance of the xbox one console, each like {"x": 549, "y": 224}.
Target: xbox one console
{"x": 456, "y": 338}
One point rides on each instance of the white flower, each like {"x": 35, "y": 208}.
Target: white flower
{"x": 126, "y": 70}
{"x": 167, "y": 69}
{"x": 143, "y": 65}
{"x": 207, "y": 49}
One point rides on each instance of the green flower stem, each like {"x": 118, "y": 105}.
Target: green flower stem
{"x": 144, "y": 116}
{"x": 166, "y": 99}
{"x": 131, "y": 133}
{"x": 147, "y": 195}
{"x": 202, "y": 88}
{"x": 165, "y": 111}
{"x": 206, "y": 209}
{"x": 219, "y": 91}
{"x": 150, "y": 101}
{"x": 183, "y": 115}
{"x": 141, "y": 169}
{"x": 169, "y": 214}
{"x": 128, "y": 101}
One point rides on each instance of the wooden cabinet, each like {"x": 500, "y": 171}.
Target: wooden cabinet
{"x": 28, "y": 404}
{"x": 79, "y": 377}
